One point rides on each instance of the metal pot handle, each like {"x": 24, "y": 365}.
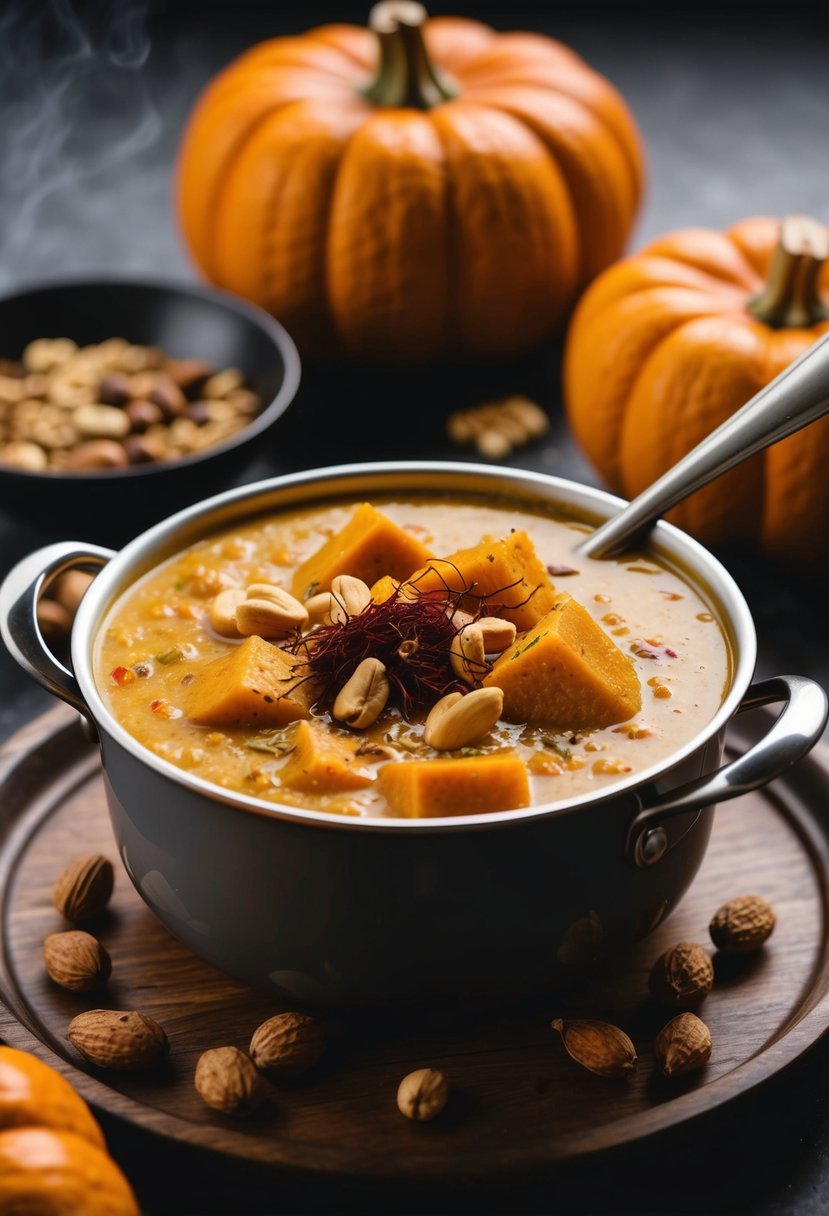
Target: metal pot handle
{"x": 19, "y": 594}
{"x": 791, "y": 736}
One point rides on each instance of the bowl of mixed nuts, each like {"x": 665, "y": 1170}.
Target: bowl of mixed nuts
{"x": 123, "y": 401}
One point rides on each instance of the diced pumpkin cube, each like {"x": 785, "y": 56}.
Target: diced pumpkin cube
{"x": 471, "y": 785}
{"x": 566, "y": 673}
{"x": 384, "y": 589}
{"x": 369, "y": 546}
{"x": 257, "y": 684}
{"x": 322, "y": 761}
{"x": 507, "y": 569}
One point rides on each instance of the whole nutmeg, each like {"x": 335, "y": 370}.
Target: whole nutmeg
{"x": 227, "y": 1080}
{"x": 422, "y": 1094}
{"x": 118, "y": 1039}
{"x": 598, "y": 1046}
{"x": 682, "y": 1046}
{"x": 682, "y": 977}
{"x": 76, "y": 960}
{"x": 82, "y": 891}
{"x": 287, "y": 1044}
{"x": 743, "y": 924}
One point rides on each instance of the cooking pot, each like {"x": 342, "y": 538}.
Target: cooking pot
{"x": 326, "y": 909}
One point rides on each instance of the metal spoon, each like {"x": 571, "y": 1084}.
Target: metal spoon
{"x": 798, "y": 396}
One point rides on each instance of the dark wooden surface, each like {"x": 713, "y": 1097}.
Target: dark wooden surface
{"x": 520, "y": 1108}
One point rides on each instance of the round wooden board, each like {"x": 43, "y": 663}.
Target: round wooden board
{"x": 519, "y": 1105}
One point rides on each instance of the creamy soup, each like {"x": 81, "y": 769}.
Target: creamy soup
{"x": 595, "y": 669}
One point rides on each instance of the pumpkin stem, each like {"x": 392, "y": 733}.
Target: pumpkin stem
{"x": 406, "y": 75}
{"x": 790, "y": 298}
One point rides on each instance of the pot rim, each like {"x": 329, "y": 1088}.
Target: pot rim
{"x": 155, "y": 545}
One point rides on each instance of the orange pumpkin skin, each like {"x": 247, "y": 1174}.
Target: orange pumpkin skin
{"x": 661, "y": 350}
{"x": 403, "y": 234}
{"x": 33, "y": 1094}
{"x": 53, "y": 1158}
{"x": 44, "y": 1172}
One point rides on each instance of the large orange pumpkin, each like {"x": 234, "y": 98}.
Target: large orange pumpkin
{"x": 410, "y": 191}
{"x": 53, "y": 1159}
{"x": 667, "y": 344}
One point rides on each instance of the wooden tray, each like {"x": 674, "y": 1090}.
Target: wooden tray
{"x": 519, "y": 1105}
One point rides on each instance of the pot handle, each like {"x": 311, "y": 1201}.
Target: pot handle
{"x": 792, "y": 735}
{"x": 19, "y": 595}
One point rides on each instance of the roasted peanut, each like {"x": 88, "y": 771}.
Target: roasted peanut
{"x": 363, "y": 698}
{"x": 459, "y": 719}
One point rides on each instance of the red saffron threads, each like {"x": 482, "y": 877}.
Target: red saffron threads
{"x": 411, "y": 633}
{"x": 418, "y": 674}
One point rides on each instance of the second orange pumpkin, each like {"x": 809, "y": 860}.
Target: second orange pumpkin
{"x": 667, "y": 344}
{"x": 410, "y": 192}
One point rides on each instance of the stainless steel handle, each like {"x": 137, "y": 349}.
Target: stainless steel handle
{"x": 798, "y": 396}
{"x": 791, "y": 736}
{"x": 19, "y": 594}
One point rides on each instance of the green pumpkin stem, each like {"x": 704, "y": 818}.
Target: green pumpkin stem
{"x": 406, "y": 75}
{"x": 791, "y": 298}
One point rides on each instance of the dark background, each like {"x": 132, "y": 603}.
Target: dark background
{"x": 733, "y": 104}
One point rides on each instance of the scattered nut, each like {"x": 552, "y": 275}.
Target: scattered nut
{"x": 599, "y": 1047}
{"x": 227, "y": 1080}
{"x": 223, "y": 612}
{"x": 82, "y": 891}
{"x": 53, "y": 620}
{"x": 100, "y": 422}
{"x": 24, "y": 455}
{"x": 498, "y": 427}
{"x": 363, "y": 697}
{"x": 498, "y": 634}
{"x": 269, "y": 612}
{"x": 459, "y": 719}
{"x": 467, "y": 654}
{"x": 422, "y": 1094}
{"x": 76, "y": 960}
{"x": 349, "y": 596}
{"x": 682, "y": 977}
{"x": 287, "y": 1044}
{"x": 70, "y": 588}
{"x": 743, "y": 924}
{"x": 117, "y": 1039}
{"x": 682, "y": 1046}
{"x": 97, "y": 454}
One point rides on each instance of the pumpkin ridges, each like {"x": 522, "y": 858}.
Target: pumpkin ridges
{"x": 390, "y": 193}
{"x": 354, "y": 42}
{"x": 693, "y": 382}
{"x": 604, "y": 358}
{"x": 503, "y": 205}
{"x": 33, "y": 1093}
{"x": 47, "y": 1171}
{"x": 641, "y": 273}
{"x": 755, "y": 238}
{"x": 575, "y": 80}
{"x": 455, "y": 41}
{"x": 591, "y": 162}
{"x": 795, "y": 522}
{"x": 709, "y": 251}
{"x": 295, "y": 153}
{"x": 217, "y": 133}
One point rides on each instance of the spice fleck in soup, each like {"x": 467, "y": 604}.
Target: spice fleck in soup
{"x": 411, "y": 658}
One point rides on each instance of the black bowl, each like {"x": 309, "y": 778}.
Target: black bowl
{"x": 185, "y": 321}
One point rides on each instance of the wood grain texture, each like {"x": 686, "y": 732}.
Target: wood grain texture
{"x": 518, "y": 1103}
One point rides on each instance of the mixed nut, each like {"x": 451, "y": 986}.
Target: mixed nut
{"x": 114, "y": 404}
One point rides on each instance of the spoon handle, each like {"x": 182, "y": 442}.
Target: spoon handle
{"x": 798, "y": 396}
